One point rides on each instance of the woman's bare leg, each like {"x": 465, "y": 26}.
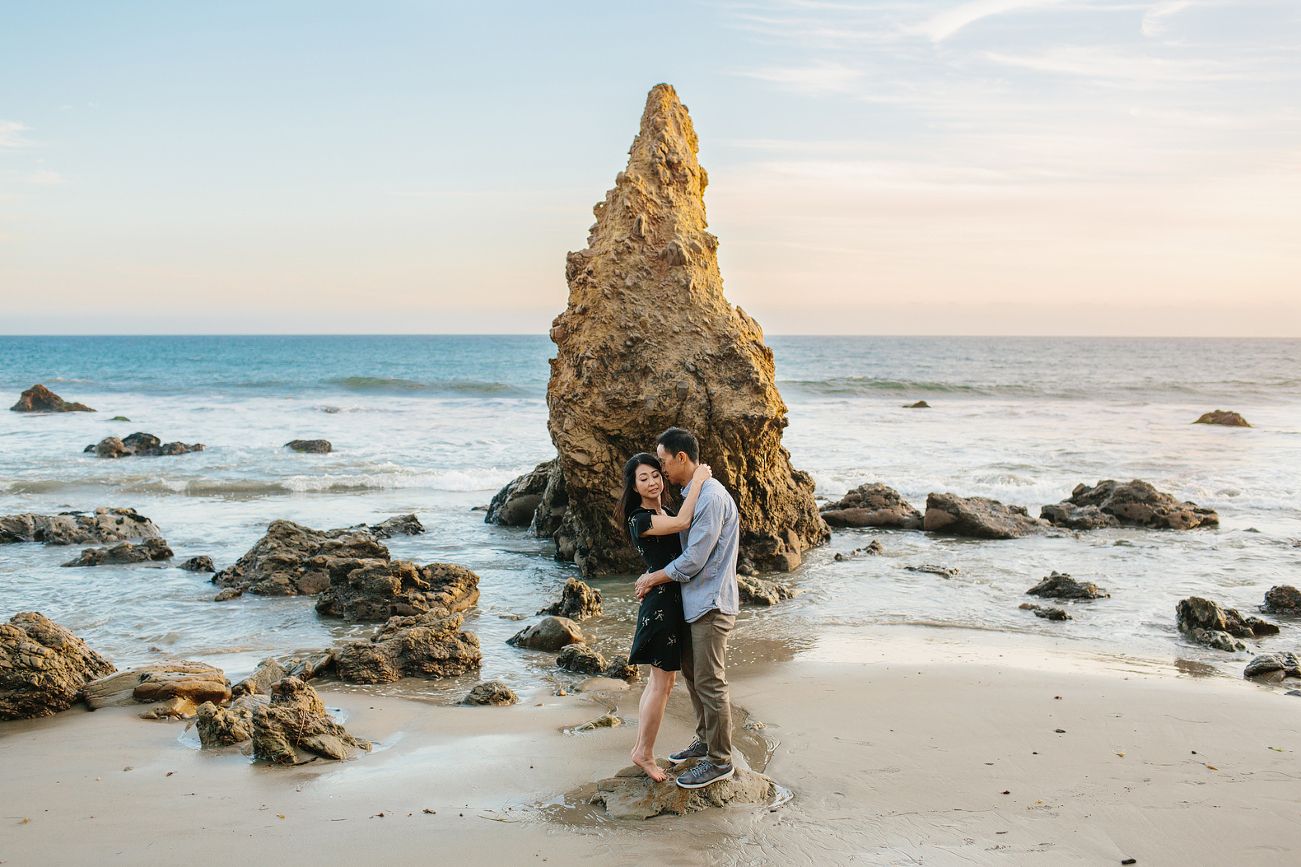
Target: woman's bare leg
{"x": 650, "y": 713}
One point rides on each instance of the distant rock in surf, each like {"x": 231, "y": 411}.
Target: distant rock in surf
{"x": 1283, "y": 599}
{"x": 104, "y": 526}
{"x": 140, "y": 444}
{"x": 1134, "y": 504}
{"x": 43, "y": 667}
{"x": 1059, "y": 585}
{"x": 38, "y": 398}
{"x": 1280, "y": 665}
{"x": 124, "y": 552}
{"x": 872, "y": 505}
{"x": 202, "y": 563}
{"x": 1205, "y": 622}
{"x": 1047, "y": 612}
{"x": 979, "y": 517}
{"x": 1224, "y": 417}
{"x": 921, "y": 404}
{"x": 311, "y": 447}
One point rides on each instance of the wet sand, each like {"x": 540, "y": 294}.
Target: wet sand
{"x": 895, "y": 746}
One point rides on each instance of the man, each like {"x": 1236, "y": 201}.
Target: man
{"x": 710, "y": 600}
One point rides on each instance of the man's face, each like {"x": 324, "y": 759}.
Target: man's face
{"x": 673, "y": 465}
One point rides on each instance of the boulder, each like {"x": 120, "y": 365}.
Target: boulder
{"x": 104, "y": 526}
{"x": 375, "y": 590}
{"x": 1077, "y": 517}
{"x": 268, "y": 673}
{"x": 226, "y": 726}
{"x": 619, "y": 668}
{"x": 630, "y": 794}
{"x": 1059, "y": 585}
{"x": 581, "y": 659}
{"x": 43, "y": 667}
{"x": 1283, "y": 599}
{"x": 872, "y": 505}
{"x": 1134, "y": 504}
{"x": 493, "y": 692}
{"x": 921, "y": 404}
{"x": 1224, "y": 417}
{"x": 38, "y": 398}
{"x": 1047, "y": 612}
{"x": 295, "y": 723}
{"x": 758, "y": 591}
{"x": 124, "y": 552}
{"x": 648, "y": 341}
{"x": 311, "y": 447}
{"x": 549, "y": 633}
{"x": 202, "y": 563}
{"x": 140, "y": 444}
{"x": 870, "y": 550}
{"x": 517, "y": 503}
{"x": 118, "y": 690}
{"x": 427, "y": 645}
{"x": 308, "y": 667}
{"x": 979, "y": 517}
{"x": 398, "y": 525}
{"x": 1266, "y": 664}
{"x": 577, "y": 601}
{"x": 1198, "y": 613}
{"x": 292, "y": 560}
{"x": 1215, "y": 639}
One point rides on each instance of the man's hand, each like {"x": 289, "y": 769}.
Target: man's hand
{"x": 648, "y": 581}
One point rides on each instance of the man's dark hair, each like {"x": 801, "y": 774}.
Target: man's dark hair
{"x": 675, "y": 440}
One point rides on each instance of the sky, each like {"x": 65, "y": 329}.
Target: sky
{"x": 987, "y": 167}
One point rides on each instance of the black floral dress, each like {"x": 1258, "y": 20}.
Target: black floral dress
{"x": 660, "y": 626}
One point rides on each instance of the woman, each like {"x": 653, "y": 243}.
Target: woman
{"x": 653, "y": 530}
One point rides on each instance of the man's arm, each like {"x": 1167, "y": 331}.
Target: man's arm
{"x": 705, "y": 530}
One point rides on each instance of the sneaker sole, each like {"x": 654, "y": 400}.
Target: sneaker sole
{"x": 677, "y": 761}
{"x": 726, "y": 776}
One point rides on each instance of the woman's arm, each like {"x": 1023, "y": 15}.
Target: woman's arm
{"x": 664, "y": 525}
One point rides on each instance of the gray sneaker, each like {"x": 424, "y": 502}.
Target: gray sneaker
{"x": 697, "y": 750}
{"x": 703, "y": 774}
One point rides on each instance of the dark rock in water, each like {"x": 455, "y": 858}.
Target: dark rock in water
{"x": 1059, "y": 585}
{"x": 226, "y": 726}
{"x": 1135, "y": 504}
{"x": 758, "y": 591}
{"x": 124, "y": 552}
{"x": 105, "y": 526}
{"x": 292, "y": 560}
{"x": 140, "y": 444}
{"x": 921, "y": 404}
{"x": 228, "y": 594}
{"x": 1215, "y": 639}
{"x": 630, "y": 794}
{"x": 398, "y": 525}
{"x": 626, "y": 369}
{"x": 1265, "y": 664}
{"x": 577, "y": 601}
{"x": 294, "y": 723}
{"x": 311, "y": 447}
{"x": 1047, "y": 612}
{"x": 582, "y": 659}
{"x": 1283, "y": 599}
{"x": 979, "y": 517}
{"x": 549, "y": 633}
{"x": 493, "y": 692}
{"x": 43, "y": 667}
{"x": 269, "y": 672}
{"x": 1198, "y": 613}
{"x": 1078, "y": 517}
{"x": 119, "y": 418}
{"x": 872, "y": 505}
{"x": 942, "y": 571}
{"x": 374, "y": 590}
{"x": 551, "y": 510}
{"x": 621, "y": 669}
{"x": 871, "y": 550}
{"x": 1224, "y": 417}
{"x": 38, "y": 398}
{"x": 516, "y": 504}
{"x": 427, "y": 645}
{"x": 202, "y": 563}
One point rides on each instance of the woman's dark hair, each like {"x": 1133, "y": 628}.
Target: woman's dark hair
{"x": 630, "y": 499}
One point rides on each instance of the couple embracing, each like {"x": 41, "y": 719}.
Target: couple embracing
{"x": 689, "y": 600}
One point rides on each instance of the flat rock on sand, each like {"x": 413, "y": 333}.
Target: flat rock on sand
{"x": 43, "y": 666}
{"x": 159, "y": 681}
{"x": 630, "y": 794}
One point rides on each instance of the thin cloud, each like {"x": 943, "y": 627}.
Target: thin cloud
{"x": 11, "y": 134}
{"x": 818, "y": 78}
{"x": 47, "y": 177}
{"x": 1154, "y": 20}
{"x": 944, "y": 25}
{"x": 1101, "y": 62}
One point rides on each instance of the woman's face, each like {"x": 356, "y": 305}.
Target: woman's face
{"x": 649, "y": 482}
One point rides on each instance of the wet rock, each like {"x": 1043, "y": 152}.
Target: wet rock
{"x": 1283, "y": 599}
{"x": 427, "y": 645}
{"x": 1266, "y": 664}
{"x": 124, "y": 552}
{"x": 872, "y": 505}
{"x": 140, "y": 444}
{"x": 228, "y": 594}
{"x": 517, "y": 503}
{"x": 1047, "y": 612}
{"x": 311, "y": 447}
{"x": 1198, "y": 613}
{"x": 494, "y": 692}
{"x": 104, "y": 526}
{"x": 942, "y": 571}
{"x": 177, "y": 707}
{"x": 268, "y": 673}
{"x": 202, "y": 563}
{"x": 921, "y": 404}
{"x": 374, "y": 590}
{"x": 648, "y": 341}
{"x": 979, "y": 517}
{"x": 758, "y": 591}
{"x": 292, "y": 560}
{"x": 619, "y": 668}
{"x": 871, "y": 550}
{"x": 1077, "y": 517}
{"x": 630, "y": 794}
{"x": 311, "y": 666}
{"x": 295, "y": 723}
{"x": 1135, "y": 504}
{"x": 38, "y": 398}
{"x": 1059, "y": 585}
{"x": 1224, "y": 417}
{"x": 226, "y": 726}
{"x": 581, "y": 659}
{"x": 196, "y": 681}
{"x": 550, "y": 634}
{"x": 43, "y": 667}
{"x": 605, "y": 721}
{"x": 1215, "y": 639}
{"x": 577, "y": 601}
{"x": 398, "y": 525}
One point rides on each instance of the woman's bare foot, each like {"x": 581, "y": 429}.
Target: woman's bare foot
{"x": 647, "y": 764}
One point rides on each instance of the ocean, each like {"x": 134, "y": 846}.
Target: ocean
{"x": 435, "y": 425}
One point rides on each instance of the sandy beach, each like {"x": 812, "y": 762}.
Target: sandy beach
{"x": 918, "y": 746}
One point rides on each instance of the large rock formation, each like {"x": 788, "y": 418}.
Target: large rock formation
{"x": 38, "y": 398}
{"x": 374, "y": 590}
{"x": 1134, "y": 504}
{"x": 292, "y": 559}
{"x": 427, "y": 645}
{"x": 43, "y": 667}
{"x": 77, "y": 528}
{"x": 648, "y": 342}
{"x": 872, "y": 505}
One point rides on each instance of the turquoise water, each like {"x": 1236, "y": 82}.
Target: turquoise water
{"x": 436, "y": 424}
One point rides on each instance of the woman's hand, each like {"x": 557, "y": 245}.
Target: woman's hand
{"x": 702, "y": 472}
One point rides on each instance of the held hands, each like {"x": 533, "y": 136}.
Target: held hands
{"x": 643, "y": 585}
{"x": 702, "y": 472}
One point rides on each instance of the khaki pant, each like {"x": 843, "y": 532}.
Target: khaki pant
{"x": 704, "y": 668}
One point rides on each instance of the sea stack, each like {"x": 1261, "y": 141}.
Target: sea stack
{"x": 648, "y": 342}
